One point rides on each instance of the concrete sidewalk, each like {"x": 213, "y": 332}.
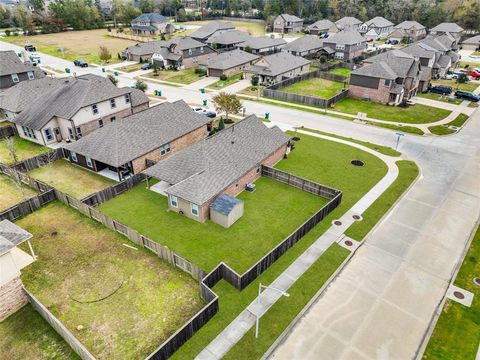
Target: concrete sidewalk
{"x": 246, "y": 320}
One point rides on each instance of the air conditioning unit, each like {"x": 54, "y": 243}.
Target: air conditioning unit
{"x": 250, "y": 187}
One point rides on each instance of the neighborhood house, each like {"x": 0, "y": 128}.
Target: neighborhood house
{"x": 346, "y": 45}
{"x": 151, "y": 24}
{"x": 286, "y": 24}
{"x": 228, "y": 40}
{"x": 213, "y": 27}
{"x": 182, "y": 53}
{"x": 222, "y": 164}
{"x": 13, "y": 70}
{"x": 308, "y": 46}
{"x": 376, "y": 28}
{"x": 408, "y": 31}
{"x": 348, "y": 23}
{"x": 229, "y": 63}
{"x": 262, "y": 45}
{"x": 322, "y": 27}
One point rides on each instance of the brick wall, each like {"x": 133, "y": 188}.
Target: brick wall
{"x": 12, "y": 298}
{"x": 380, "y": 95}
{"x": 195, "y": 60}
{"x": 140, "y": 107}
{"x": 175, "y": 145}
{"x": 93, "y": 125}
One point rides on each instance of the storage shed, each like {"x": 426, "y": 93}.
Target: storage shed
{"x": 225, "y": 210}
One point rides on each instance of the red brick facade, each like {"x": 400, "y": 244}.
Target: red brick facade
{"x": 380, "y": 95}
{"x": 12, "y": 298}
{"x": 93, "y": 125}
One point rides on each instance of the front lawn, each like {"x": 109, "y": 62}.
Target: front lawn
{"x": 220, "y": 84}
{"x": 439, "y": 97}
{"x": 341, "y": 71}
{"x": 24, "y": 149}
{"x": 274, "y": 210}
{"x": 445, "y": 130}
{"x": 119, "y": 302}
{"x": 185, "y": 77}
{"x": 71, "y": 179}
{"x": 457, "y": 332}
{"x": 11, "y": 193}
{"x": 416, "y": 114}
{"x": 25, "y": 335}
{"x": 316, "y": 87}
{"x": 130, "y": 68}
{"x": 468, "y": 86}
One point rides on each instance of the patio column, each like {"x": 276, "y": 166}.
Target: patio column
{"x": 148, "y": 184}
{"x": 31, "y": 249}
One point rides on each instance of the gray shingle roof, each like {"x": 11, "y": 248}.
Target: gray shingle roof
{"x": 420, "y": 50}
{"x": 447, "y": 27}
{"x": 11, "y": 235}
{"x": 345, "y": 37}
{"x": 228, "y": 37}
{"x": 436, "y": 43}
{"x": 133, "y": 136}
{"x": 405, "y": 25}
{"x": 151, "y": 47}
{"x": 224, "y": 204}
{"x": 209, "y": 29}
{"x": 138, "y": 97}
{"x": 150, "y": 17}
{"x": 389, "y": 65}
{"x": 278, "y": 63}
{"x": 474, "y": 40}
{"x": 320, "y": 25}
{"x": 205, "y": 169}
{"x": 347, "y": 22}
{"x": 290, "y": 18}
{"x": 379, "y": 21}
{"x": 66, "y": 100}
{"x": 144, "y": 27}
{"x": 230, "y": 59}
{"x": 19, "y": 97}
{"x": 304, "y": 43}
{"x": 10, "y": 63}
{"x": 262, "y": 42}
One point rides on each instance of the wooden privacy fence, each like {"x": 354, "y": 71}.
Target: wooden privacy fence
{"x": 7, "y": 131}
{"x": 27, "y": 206}
{"x": 39, "y": 160}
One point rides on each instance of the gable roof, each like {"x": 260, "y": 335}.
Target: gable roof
{"x": 304, "y": 43}
{"x": 345, "y": 37}
{"x": 347, "y": 21}
{"x": 405, "y": 25}
{"x": 323, "y": 24}
{"x": 150, "y": 18}
{"x": 66, "y": 100}
{"x": 262, "y": 42}
{"x": 447, "y": 27}
{"x": 290, "y": 18}
{"x": 229, "y": 59}
{"x": 209, "y": 29}
{"x": 20, "y": 96}
{"x": 11, "y": 235}
{"x": 474, "y": 40}
{"x": 389, "y": 65}
{"x": 379, "y": 21}
{"x": 420, "y": 50}
{"x": 151, "y": 47}
{"x": 441, "y": 43}
{"x": 228, "y": 37}
{"x": 136, "y": 135}
{"x": 205, "y": 169}
{"x": 224, "y": 204}
{"x": 278, "y": 63}
{"x": 10, "y": 63}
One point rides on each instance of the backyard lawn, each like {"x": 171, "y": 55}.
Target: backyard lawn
{"x": 25, "y": 335}
{"x": 11, "y": 194}
{"x": 82, "y": 44}
{"x": 186, "y": 76}
{"x": 220, "y": 84}
{"x": 341, "y": 71}
{"x": 274, "y": 210}
{"x": 417, "y": 114}
{"x": 316, "y": 87}
{"x": 71, "y": 179}
{"x": 24, "y": 149}
{"x": 457, "y": 332}
{"x": 118, "y": 301}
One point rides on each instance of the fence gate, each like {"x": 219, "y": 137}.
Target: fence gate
{"x": 182, "y": 263}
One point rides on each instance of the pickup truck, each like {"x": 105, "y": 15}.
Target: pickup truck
{"x": 34, "y": 59}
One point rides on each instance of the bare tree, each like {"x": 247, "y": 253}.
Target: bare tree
{"x": 12, "y": 148}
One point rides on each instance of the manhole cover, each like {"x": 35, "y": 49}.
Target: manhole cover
{"x": 348, "y": 243}
{"x": 458, "y": 295}
{"x": 357, "y": 162}
{"x": 476, "y": 281}
{"x": 337, "y": 222}
{"x": 356, "y": 217}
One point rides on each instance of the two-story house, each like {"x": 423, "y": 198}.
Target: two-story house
{"x": 151, "y": 24}
{"x": 388, "y": 78}
{"x": 13, "y": 70}
{"x": 411, "y": 31}
{"x": 348, "y": 23}
{"x": 213, "y": 27}
{"x": 346, "y": 45}
{"x": 322, "y": 27}
{"x": 448, "y": 28}
{"x": 446, "y": 55}
{"x": 287, "y": 24}
{"x": 376, "y": 28}
{"x": 78, "y": 107}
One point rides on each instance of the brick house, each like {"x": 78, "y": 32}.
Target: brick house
{"x": 127, "y": 147}
{"x": 346, "y": 45}
{"x": 322, "y": 27}
{"x": 230, "y": 63}
{"x": 13, "y": 70}
{"x": 389, "y": 78}
{"x": 411, "y": 30}
{"x": 76, "y": 108}
{"x": 195, "y": 177}
{"x": 348, "y": 23}
{"x": 287, "y": 24}
{"x": 376, "y": 28}
{"x": 448, "y": 28}
{"x": 151, "y": 24}
{"x": 446, "y": 56}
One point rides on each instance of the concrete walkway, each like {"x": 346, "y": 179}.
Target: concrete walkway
{"x": 436, "y": 103}
{"x": 202, "y": 83}
{"x": 236, "y": 87}
{"x": 246, "y": 320}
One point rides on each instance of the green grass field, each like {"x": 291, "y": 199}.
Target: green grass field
{"x": 438, "y": 97}
{"x": 24, "y": 149}
{"x": 316, "y": 87}
{"x": 417, "y": 114}
{"x": 185, "y": 77}
{"x": 11, "y": 193}
{"x": 457, "y": 333}
{"x": 445, "y": 130}
{"x": 341, "y": 71}
{"x": 118, "y": 301}
{"x": 220, "y": 84}
{"x": 25, "y": 335}
{"x": 71, "y": 179}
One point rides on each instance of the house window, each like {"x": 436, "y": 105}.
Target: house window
{"x": 29, "y": 132}
{"x": 189, "y": 51}
{"x": 73, "y": 155}
{"x": 195, "y": 209}
{"x": 31, "y": 75}
{"x": 113, "y": 105}
{"x": 15, "y": 78}
{"x": 70, "y": 133}
{"x": 48, "y": 134}
{"x": 100, "y": 123}
{"x": 201, "y": 49}
{"x": 387, "y": 82}
{"x": 165, "y": 149}
{"x": 79, "y": 132}
{"x": 127, "y": 98}
{"x": 258, "y": 167}
{"x": 95, "y": 109}
{"x": 89, "y": 162}
{"x": 113, "y": 118}
{"x": 340, "y": 47}
{"x": 339, "y": 55}
{"x": 173, "y": 201}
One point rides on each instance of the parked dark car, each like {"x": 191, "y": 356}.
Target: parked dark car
{"x": 146, "y": 66}
{"x": 467, "y": 95}
{"x": 30, "y": 48}
{"x": 80, "y": 63}
{"x": 392, "y": 42}
{"x": 441, "y": 89}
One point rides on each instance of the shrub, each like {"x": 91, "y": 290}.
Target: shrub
{"x": 255, "y": 80}
{"x": 7, "y": 32}
{"x": 200, "y": 72}
{"x": 223, "y": 77}
{"x": 221, "y": 124}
